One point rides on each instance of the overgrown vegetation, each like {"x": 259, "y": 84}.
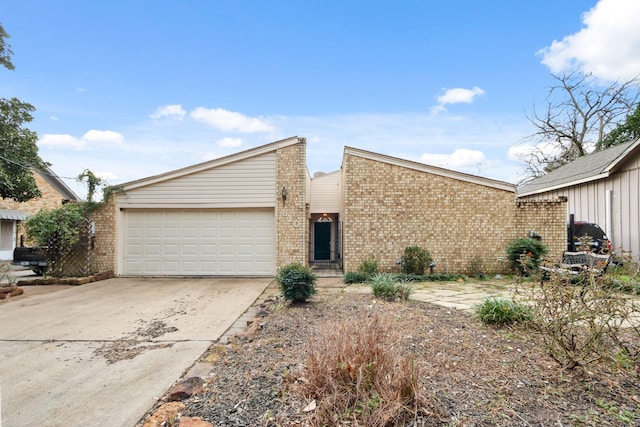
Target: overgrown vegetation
{"x": 525, "y": 254}
{"x": 415, "y": 260}
{"x": 296, "y": 282}
{"x": 357, "y": 376}
{"x": 390, "y": 287}
{"x": 56, "y": 232}
{"x": 357, "y": 277}
{"x": 502, "y": 311}
{"x": 581, "y": 324}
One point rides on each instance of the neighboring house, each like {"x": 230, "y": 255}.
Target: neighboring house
{"x": 54, "y": 194}
{"x": 602, "y": 187}
{"x": 249, "y": 213}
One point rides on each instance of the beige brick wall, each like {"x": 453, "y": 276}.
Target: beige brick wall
{"x": 50, "y": 199}
{"x": 103, "y": 254}
{"x": 292, "y": 224}
{"x": 548, "y": 218}
{"x": 389, "y": 207}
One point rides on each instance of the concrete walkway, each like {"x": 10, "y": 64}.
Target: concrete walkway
{"x": 458, "y": 295}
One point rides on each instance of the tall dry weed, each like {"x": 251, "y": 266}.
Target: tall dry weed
{"x": 358, "y": 376}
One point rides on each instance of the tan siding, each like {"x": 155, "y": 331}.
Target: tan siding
{"x": 325, "y": 193}
{"x": 245, "y": 183}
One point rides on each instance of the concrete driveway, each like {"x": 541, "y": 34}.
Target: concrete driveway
{"x": 103, "y": 353}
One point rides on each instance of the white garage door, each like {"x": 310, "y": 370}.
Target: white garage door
{"x": 195, "y": 242}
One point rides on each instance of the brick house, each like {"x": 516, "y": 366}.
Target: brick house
{"x": 54, "y": 193}
{"x": 248, "y": 213}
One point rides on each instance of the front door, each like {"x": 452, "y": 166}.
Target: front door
{"x": 322, "y": 241}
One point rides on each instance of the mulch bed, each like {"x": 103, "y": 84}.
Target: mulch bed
{"x": 476, "y": 375}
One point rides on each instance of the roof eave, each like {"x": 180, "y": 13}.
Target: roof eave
{"x": 564, "y": 185}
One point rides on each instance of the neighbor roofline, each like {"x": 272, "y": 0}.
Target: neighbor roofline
{"x": 615, "y": 165}
{"x": 242, "y": 155}
{"x": 54, "y": 180}
{"x": 422, "y": 167}
{"x": 564, "y": 185}
{"x": 604, "y": 173}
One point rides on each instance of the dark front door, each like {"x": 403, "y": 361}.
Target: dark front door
{"x": 322, "y": 241}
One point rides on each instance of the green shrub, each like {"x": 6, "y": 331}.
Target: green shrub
{"x": 383, "y": 285}
{"x": 297, "y": 282}
{"x": 525, "y": 254}
{"x": 390, "y": 287}
{"x": 415, "y": 260}
{"x": 368, "y": 267}
{"x": 355, "y": 277}
{"x": 502, "y": 311}
{"x": 434, "y": 277}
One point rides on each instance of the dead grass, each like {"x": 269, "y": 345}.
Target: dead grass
{"x": 358, "y": 374}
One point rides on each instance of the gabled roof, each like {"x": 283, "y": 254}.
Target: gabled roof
{"x": 493, "y": 183}
{"x": 212, "y": 163}
{"x": 54, "y": 180}
{"x": 588, "y": 168}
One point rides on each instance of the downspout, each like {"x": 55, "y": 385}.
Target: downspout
{"x": 607, "y": 215}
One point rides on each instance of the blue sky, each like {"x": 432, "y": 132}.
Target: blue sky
{"x": 130, "y": 89}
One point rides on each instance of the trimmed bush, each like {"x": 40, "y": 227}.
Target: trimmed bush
{"x": 297, "y": 282}
{"x": 502, "y": 311}
{"x": 355, "y": 277}
{"x": 525, "y": 254}
{"x": 415, "y": 260}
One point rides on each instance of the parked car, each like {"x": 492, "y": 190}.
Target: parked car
{"x": 587, "y": 233}
{"x": 30, "y": 257}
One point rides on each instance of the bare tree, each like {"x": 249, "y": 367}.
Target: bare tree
{"x": 579, "y": 113}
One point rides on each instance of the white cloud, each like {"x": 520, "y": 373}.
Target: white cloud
{"x": 62, "y": 141}
{"x": 108, "y": 176}
{"x": 457, "y": 96}
{"x": 171, "y": 112}
{"x": 461, "y": 159}
{"x": 107, "y": 136}
{"x": 608, "y": 45}
{"x": 230, "y": 142}
{"x": 54, "y": 118}
{"x": 231, "y": 121}
{"x": 69, "y": 141}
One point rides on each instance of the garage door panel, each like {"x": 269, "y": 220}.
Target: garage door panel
{"x": 199, "y": 242}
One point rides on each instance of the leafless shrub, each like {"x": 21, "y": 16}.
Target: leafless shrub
{"x": 358, "y": 376}
{"x": 580, "y": 319}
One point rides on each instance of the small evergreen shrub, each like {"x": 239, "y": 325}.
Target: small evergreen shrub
{"x": 383, "y": 286}
{"x": 368, "y": 267}
{"x": 355, "y": 277}
{"x": 500, "y": 311}
{"x": 390, "y": 287}
{"x": 525, "y": 254}
{"x": 415, "y": 260}
{"x": 297, "y": 282}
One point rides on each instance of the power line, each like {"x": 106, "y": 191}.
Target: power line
{"x": 43, "y": 172}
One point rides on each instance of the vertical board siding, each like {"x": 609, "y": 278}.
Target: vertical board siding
{"x": 588, "y": 203}
{"x": 325, "y": 193}
{"x": 245, "y": 183}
